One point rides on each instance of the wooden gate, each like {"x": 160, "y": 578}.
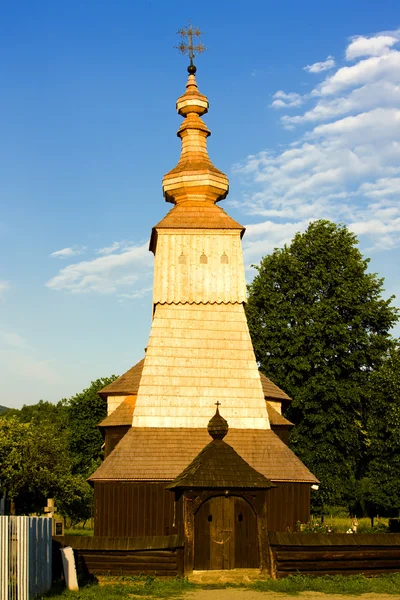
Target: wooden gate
{"x": 225, "y": 535}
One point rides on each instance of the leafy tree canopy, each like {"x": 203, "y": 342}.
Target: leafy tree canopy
{"x": 42, "y": 411}
{"x": 84, "y": 412}
{"x": 320, "y": 326}
{"x": 48, "y": 450}
{"x": 380, "y": 489}
{"x": 34, "y": 460}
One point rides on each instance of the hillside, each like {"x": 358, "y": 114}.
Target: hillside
{"x": 3, "y": 409}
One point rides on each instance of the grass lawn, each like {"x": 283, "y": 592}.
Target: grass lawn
{"x": 342, "y": 524}
{"x": 128, "y": 587}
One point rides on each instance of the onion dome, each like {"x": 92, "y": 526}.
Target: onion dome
{"x": 194, "y": 178}
{"x": 217, "y": 426}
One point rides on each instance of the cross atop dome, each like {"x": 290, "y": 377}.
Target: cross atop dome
{"x": 187, "y": 47}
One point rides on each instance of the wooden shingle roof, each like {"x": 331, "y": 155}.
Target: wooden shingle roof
{"x": 275, "y": 418}
{"x": 160, "y": 454}
{"x": 198, "y": 215}
{"x": 122, "y": 415}
{"x": 128, "y": 384}
{"x": 217, "y": 466}
{"x": 271, "y": 390}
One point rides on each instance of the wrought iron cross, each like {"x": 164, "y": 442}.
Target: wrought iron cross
{"x": 217, "y": 403}
{"x": 187, "y": 46}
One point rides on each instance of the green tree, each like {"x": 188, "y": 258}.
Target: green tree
{"x": 48, "y": 450}
{"x": 12, "y": 450}
{"x": 34, "y": 460}
{"x": 84, "y": 412}
{"x": 320, "y": 327}
{"x": 74, "y": 499}
{"x": 42, "y": 412}
{"x": 382, "y": 476}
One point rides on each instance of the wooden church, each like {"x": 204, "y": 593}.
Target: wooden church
{"x": 163, "y": 474}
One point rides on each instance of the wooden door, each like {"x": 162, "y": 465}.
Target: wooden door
{"x": 225, "y": 535}
{"x": 246, "y": 538}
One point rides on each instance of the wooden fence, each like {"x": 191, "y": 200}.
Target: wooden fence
{"x": 25, "y": 557}
{"x": 334, "y": 554}
{"x": 307, "y": 553}
{"x": 153, "y": 555}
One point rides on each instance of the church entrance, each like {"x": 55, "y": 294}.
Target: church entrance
{"x": 225, "y": 535}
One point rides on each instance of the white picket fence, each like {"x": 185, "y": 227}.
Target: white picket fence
{"x": 25, "y": 557}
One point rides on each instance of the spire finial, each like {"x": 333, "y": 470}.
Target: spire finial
{"x": 194, "y": 179}
{"x": 188, "y": 47}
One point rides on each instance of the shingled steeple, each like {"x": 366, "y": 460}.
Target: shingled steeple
{"x": 195, "y": 185}
{"x": 195, "y": 178}
{"x": 200, "y": 349}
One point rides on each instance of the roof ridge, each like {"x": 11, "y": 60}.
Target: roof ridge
{"x": 218, "y": 465}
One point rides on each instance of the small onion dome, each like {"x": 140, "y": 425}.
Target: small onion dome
{"x": 217, "y": 426}
{"x": 192, "y": 101}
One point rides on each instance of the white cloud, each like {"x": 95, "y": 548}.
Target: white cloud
{"x": 111, "y": 249}
{"x": 364, "y": 98}
{"x": 68, "y": 252}
{"x": 345, "y": 164}
{"x": 370, "y": 46}
{"x": 4, "y": 287}
{"x": 283, "y": 100}
{"x": 319, "y": 67}
{"x": 135, "y": 295}
{"x": 389, "y": 186}
{"x": 375, "y": 68}
{"x": 108, "y": 274}
{"x": 262, "y": 238}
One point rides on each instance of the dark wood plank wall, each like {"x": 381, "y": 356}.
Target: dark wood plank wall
{"x": 283, "y": 432}
{"x": 334, "y": 554}
{"x": 161, "y": 555}
{"x": 112, "y": 436}
{"x": 161, "y": 563}
{"x": 140, "y": 509}
{"x": 135, "y": 509}
{"x": 287, "y": 505}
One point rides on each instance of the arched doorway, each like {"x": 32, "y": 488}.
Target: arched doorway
{"x": 225, "y": 534}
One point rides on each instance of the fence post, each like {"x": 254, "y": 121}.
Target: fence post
{"x": 22, "y": 557}
{"x": 32, "y": 557}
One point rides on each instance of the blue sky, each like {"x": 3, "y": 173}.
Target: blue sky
{"x": 305, "y": 120}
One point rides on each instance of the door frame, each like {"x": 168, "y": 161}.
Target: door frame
{"x": 257, "y": 499}
{"x": 226, "y": 553}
